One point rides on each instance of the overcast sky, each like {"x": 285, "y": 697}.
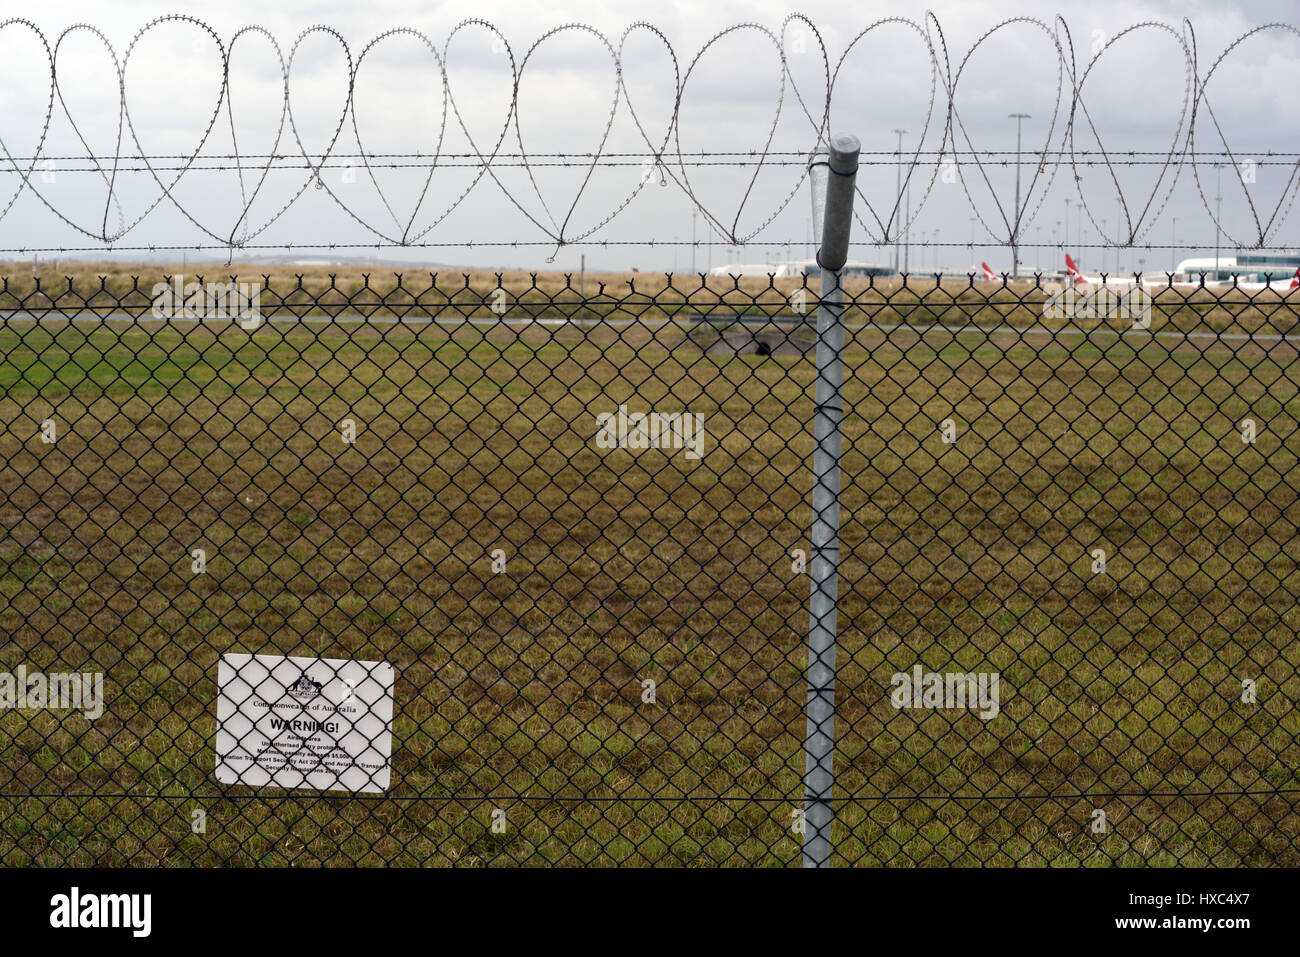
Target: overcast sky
{"x": 1134, "y": 97}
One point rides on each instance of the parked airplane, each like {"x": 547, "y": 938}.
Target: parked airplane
{"x": 1159, "y": 280}
{"x": 1079, "y": 279}
{"x": 1284, "y": 286}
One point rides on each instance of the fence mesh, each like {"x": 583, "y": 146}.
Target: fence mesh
{"x": 573, "y": 518}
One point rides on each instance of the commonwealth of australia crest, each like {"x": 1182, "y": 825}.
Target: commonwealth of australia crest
{"x": 305, "y": 688}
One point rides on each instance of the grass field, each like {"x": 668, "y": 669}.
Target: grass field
{"x": 523, "y": 690}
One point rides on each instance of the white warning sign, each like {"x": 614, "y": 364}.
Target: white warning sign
{"x": 321, "y": 723}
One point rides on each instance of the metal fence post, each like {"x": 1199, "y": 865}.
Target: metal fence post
{"x": 832, "y": 173}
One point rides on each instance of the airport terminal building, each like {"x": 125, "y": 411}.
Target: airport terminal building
{"x": 1245, "y": 266}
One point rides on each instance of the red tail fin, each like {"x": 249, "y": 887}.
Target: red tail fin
{"x": 988, "y": 273}
{"x": 1295, "y": 281}
{"x": 1073, "y": 270}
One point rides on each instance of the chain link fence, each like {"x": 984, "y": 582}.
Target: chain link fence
{"x": 573, "y": 519}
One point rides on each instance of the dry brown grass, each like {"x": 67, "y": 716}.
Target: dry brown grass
{"x": 103, "y": 288}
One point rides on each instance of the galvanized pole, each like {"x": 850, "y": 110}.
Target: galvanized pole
{"x": 832, "y": 174}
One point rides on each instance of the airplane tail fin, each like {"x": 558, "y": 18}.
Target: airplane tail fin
{"x": 1295, "y": 281}
{"x": 1073, "y": 270}
{"x": 988, "y": 273}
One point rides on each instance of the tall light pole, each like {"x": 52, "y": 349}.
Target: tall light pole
{"x": 1067, "y": 220}
{"x": 1218, "y": 199}
{"x": 1173, "y": 245}
{"x": 694, "y": 214}
{"x": 1015, "y": 223}
{"x": 898, "y": 188}
{"x": 907, "y": 225}
{"x": 1119, "y": 228}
